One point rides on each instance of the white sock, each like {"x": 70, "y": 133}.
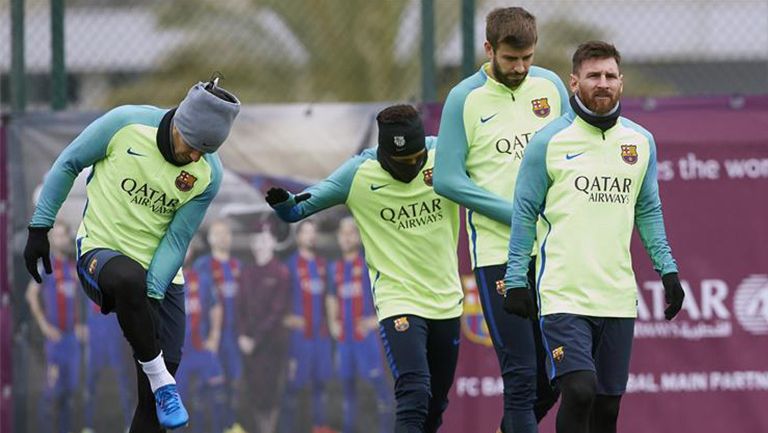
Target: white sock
{"x": 157, "y": 373}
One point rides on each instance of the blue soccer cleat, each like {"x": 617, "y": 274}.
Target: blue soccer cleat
{"x": 170, "y": 410}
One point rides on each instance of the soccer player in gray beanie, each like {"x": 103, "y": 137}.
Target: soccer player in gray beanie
{"x": 154, "y": 173}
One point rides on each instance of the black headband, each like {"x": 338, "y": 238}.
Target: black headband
{"x": 402, "y": 138}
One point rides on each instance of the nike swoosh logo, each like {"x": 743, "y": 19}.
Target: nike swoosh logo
{"x": 485, "y": 119}
{"x": 569, "y": 157}
{"x": 131, "y": 152}
{"x": 456, "y": 341}
{"x": 375, "y": 187}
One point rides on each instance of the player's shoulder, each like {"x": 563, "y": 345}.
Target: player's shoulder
{"x": 636, "y": 127}
{"x": 544, "y": 73}
{"x": 541, "y": 79}
{"x": 460, "y": 91}
{"x": 555, "y": 127}
{"x": 214, "y": 161}
{"x": 367, "y": 154}
{"x": 365, "y": 159}
{"x": 134, "y": 114}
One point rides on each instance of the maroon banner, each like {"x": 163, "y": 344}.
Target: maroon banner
{"x": 705, "y": 371}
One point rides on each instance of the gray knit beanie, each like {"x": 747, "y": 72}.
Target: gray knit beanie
{"x": 205, "y": 116}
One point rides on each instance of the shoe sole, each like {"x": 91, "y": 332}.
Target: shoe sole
{"x": 174, "y": 427}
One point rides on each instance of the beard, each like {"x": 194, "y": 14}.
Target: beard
{"x": 599, "y": 101}
{"x": 510, "y": 80}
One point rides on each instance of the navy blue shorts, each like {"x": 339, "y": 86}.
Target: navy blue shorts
{"x": 599, "y": 344}
{"x": 172, "y": 315}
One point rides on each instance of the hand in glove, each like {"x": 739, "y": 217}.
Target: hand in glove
{"x": 37, "y": 247}
{"x": 517, "y": 300}
{"x": 280, "y": 197}
{"x": 673, "y": 295}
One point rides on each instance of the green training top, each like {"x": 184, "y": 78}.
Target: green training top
{"x": 409, "y": 233}
{"x": 579, "y": 193}
{"x": 138, "y": 203}
{"x": 484, "y": 130}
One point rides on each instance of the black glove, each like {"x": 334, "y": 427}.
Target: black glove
{"x": 37, "y": 247}
{"x": 278, "y": 196}
{"x": 673, "y": 294}
{"x": 517, "y": 300}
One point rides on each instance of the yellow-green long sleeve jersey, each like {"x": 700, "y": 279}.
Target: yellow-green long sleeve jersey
{"x": 409, "y": 233}
{"x": 579, "y": 193}
{"x": 484, "y": 131}
{"x": 138, "y": 203}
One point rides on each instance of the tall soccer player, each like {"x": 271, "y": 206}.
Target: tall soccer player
{"x": 488, "y": 120}
{"x": 154, "y": 174}
{"x": 585, "y": 181}
{"x": 58, "y": 318}
{"x": 410, "y": 235}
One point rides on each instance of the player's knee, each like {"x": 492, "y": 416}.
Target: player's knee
{"x": 520, "y": 388}
{"x": 606, "y": 408}
{"x": 125, "y": 280}
{"x": 545, "y": 400}
{"x": 412, "y": 382}
{"x": 578, "y": 388}
{"x": 412, "y": 393}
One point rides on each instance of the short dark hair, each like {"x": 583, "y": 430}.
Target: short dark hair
{"x": 402, "y": 113}
{"x": 594, "y": 50}
{"x": 514, "y": 26}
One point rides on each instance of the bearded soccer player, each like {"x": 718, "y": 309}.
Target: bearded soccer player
{"x": 410, "y": 235}
{"x": 154, "y": 174}
{"x": 585, "y": 181}
{"x": 488, "y": 120}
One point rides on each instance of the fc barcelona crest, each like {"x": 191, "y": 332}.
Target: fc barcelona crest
{"x": 185, "y": 181}
{"x": 427, "y": 176}
{"x": 92, "y": 266}
{"x": 541, "y": 107}
{"x": 401, "y": 324}
{"x": 558, "y": 353}
{"x": 629, "y": 153}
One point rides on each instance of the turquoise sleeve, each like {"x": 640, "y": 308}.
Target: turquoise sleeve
{"x": 450, "y": 174}
{"x": 650, "y": 220}
{"x": 329, "y": 192}
{"x": 530, "y": 194}
{"x": 170, "y": 253}
{"x": 88, "y": 148}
